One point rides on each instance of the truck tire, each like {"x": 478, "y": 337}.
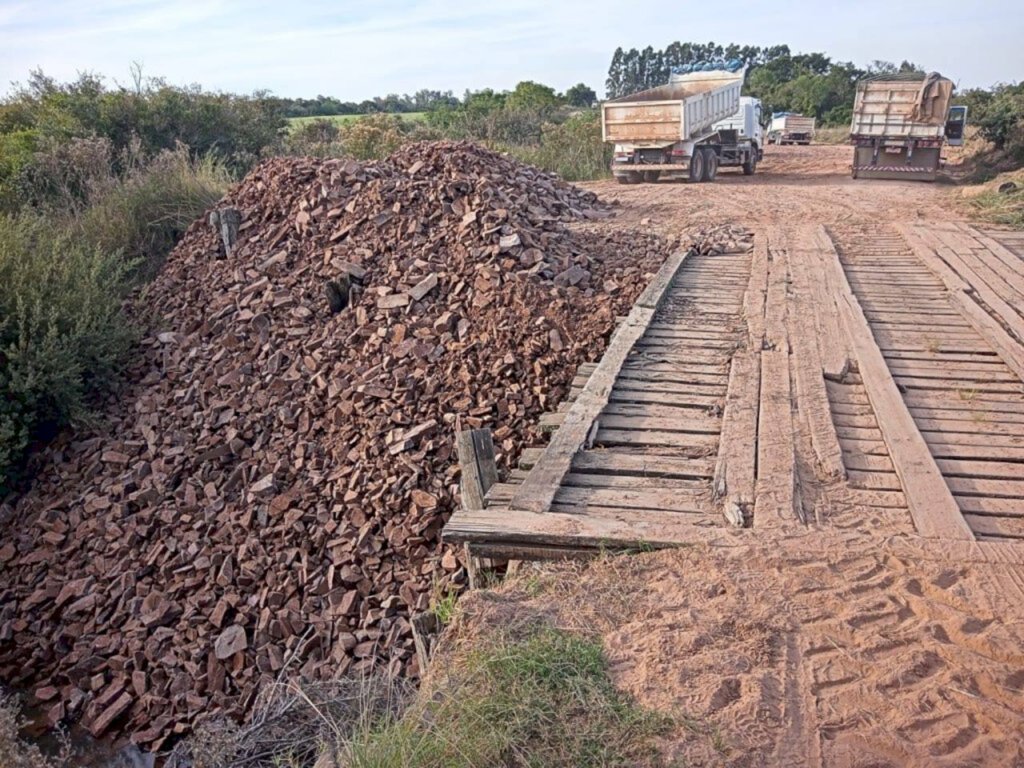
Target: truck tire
{"x": 698, "y": 165}
{"x": 750, "y": 164}
{"x": 711, "y": 166}
{"x": 632, "y": 177}
{"x": 651, "y": 176}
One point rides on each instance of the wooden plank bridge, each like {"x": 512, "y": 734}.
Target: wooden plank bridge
{"x": 851, "y": 378}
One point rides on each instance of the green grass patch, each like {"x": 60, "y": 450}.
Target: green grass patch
{"x": 298, "y": 122}
{"x": 540, "y": 697}
{"x": 1003, "y": 208}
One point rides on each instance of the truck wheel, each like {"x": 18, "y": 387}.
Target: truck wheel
{"x": 651, "y": 176}
{"x": 750, "y": 164}
{"x": 697, "y": 166}
{"x": 711, "y": 171}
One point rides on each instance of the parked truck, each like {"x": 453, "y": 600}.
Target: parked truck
{"x": 900, "y": 123}
{"x": 790, "y": 128}
{"x": 689, "y": 128}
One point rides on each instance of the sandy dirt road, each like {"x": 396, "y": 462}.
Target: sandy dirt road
{"x": 847, "y": 639}
{"x": 792, "y": 185}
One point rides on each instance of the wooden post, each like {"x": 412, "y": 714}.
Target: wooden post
{"x": 479, "y": 472}
{"x": 476, "y": 463}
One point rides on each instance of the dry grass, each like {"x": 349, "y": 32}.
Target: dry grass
{"x": 837, "y": 135}
{"x": 519, "y": 693}
{"x": 986, "y": 203}
{"x": 293, "y": 722}
{"x": 17, "y": 753}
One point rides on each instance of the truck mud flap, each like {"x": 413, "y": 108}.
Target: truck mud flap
{"x": 898, "y": 173}
{"x": 919, "y": 165}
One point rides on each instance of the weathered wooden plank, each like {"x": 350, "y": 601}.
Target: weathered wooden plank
{"x": 775, "y": 500}
{"x": 866, "y": 462}
{"x": 737, "y": 447}
{"x": 984, "y": 486}
{"x": 645, "y": 464}
{"x": 975, "y": 447}
{"x": 987, "y": 505}
{"x": 692, "y": 421}
{"x": 613, "y": 528}
{"x": 477, "y": 467}
{"x": 622, "y": 393}
{"x": 811, "y": 340}
{"x": 654, "y": 438}
{"x": 962, "y": 282}
{"x": 529, "y": 457}
{"x": 538, "y": 491}
{"x": 981, "y": 383}
{"x": 877, "y": 481}
{"x": 932, "y": 506}
{"x": 834, "y": 351}
{"x": 675, "y": 500}
{"x": 1008, "y": 527}
{"x": 635, "y": 483}
{"x": 1006, "y": 470}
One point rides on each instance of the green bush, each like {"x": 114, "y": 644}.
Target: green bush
{"x": 573, "y": 149}
{"x": 373, "y": 137}
{"x": 1002, "y": 119}
{"x": 63, "y": 335}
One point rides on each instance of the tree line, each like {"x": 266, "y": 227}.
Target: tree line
{"x": 808, "y": 83}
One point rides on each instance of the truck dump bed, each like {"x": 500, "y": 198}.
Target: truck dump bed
{"x": 684, "y": 109}
{"x": 792, "y": 124}
{"x": 902, "y": 106}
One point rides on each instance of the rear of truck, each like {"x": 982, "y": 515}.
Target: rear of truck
{"x": 671, "y": 129}
{"x": 788, "y": 128}
{"x": 899, "y": 126}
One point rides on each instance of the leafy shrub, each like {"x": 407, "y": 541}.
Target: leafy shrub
{"x": 573, "y": 149}
{"x": 1002, "y": 119}
{"x": 372, "y": 137}
{"x": 16, "y": 151}
{"x": 156, "y": 115}
{"x": 63, "y": 336}
{"x": 315, "y": 138}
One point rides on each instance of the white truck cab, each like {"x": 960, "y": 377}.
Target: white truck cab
{"x": 746, "y": 121}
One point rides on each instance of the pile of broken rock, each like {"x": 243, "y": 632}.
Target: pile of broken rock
{"x": 266, "y": 494}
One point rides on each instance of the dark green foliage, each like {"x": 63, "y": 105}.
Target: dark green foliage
{"x": 1000, "y": 118}
{"x": 63, "y": 336}
{"x": 580, "y": 95}
{"x": 326, "y": 106}
{"x": 142, "y": 120}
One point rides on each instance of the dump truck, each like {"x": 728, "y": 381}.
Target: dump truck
{"x": 900, "y": 123}
{"x": 689, "y": 128}
{"x": 790, "y": 128}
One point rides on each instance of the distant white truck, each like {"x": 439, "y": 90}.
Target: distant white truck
{"x": 790, "y": 128}
{"x": 900, "y": 123}
{"x": 688, "y": 128}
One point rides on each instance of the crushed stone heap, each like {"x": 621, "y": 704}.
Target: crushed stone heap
{"x": 266, "y": 495}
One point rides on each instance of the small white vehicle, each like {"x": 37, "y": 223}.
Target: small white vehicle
{"x": 689, "y": 128}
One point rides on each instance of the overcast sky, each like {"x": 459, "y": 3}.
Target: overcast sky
{"x": 357, "y": 50}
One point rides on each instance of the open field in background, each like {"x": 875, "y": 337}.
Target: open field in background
{"x": 298, "y": 122}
